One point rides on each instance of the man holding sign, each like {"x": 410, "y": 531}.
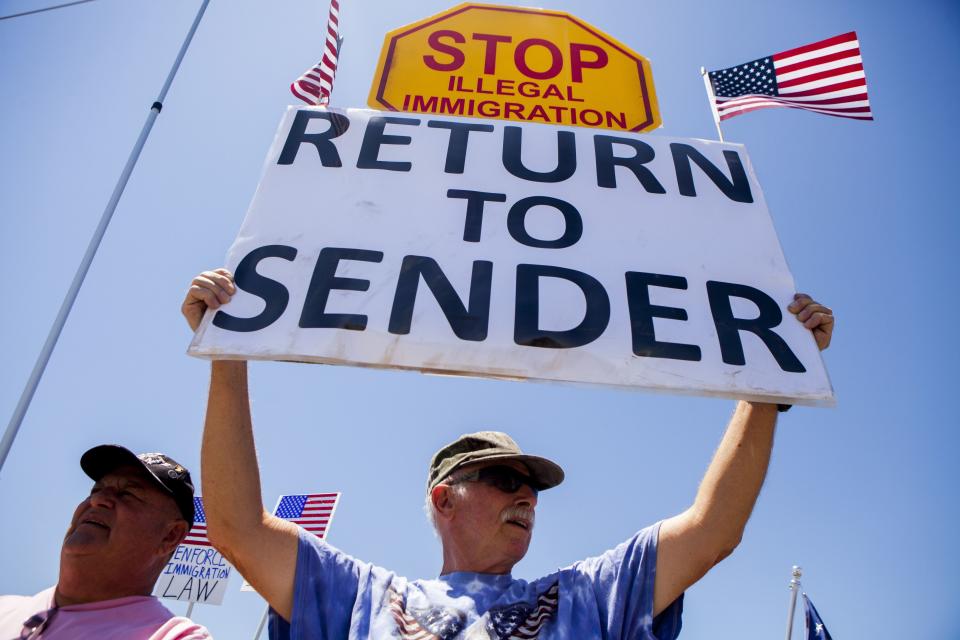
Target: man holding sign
{"x": 119, "y": 540}
{"x": 482, "y": 496}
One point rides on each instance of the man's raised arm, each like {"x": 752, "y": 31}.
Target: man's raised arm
{"x": 263, "y": 548}
{"x": 706, "y": 533}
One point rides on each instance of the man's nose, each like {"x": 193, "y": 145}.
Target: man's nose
{"x": 105, "y": 497}
{"x": 526, "y": 496}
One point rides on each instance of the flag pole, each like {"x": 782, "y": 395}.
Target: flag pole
{"x": 189, "y": 609}
{"x": 30, "y": 13}
{"x": 712, "y": 100}
{"x": 794, "y": 588}
{"x": 263, "y": 621}
{"x": 41, "y": 364}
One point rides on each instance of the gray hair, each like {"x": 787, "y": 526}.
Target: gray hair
{"x": 453, "y": 481}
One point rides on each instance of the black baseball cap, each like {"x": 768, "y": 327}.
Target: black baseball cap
{"x": 170, "y": 475}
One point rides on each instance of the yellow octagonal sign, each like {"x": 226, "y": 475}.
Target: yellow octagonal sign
{"x": 513, "y": 63}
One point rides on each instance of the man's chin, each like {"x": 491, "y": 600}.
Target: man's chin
{"x": 83, "y": 542}
{"x": 519, "y": 545}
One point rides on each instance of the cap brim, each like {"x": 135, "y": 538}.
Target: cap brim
{"x": 100, "y": 461}
{"x": 546, "y": 473}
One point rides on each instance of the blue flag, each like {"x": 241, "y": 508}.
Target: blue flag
{"x": 816, "y": 630}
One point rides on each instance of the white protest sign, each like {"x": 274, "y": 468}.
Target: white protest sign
{"x": 194, "y": 574}
{"x": 522, "y": 251}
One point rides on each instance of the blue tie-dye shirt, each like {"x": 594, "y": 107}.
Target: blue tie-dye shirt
{"x": 610, "y": 596}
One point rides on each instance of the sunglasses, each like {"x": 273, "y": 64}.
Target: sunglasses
{"x": 506, "y": 479}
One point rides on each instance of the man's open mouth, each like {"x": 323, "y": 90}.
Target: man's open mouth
{"x": 520, "y": 523}
{"x": 95, "y": 523}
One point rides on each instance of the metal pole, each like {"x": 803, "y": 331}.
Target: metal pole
{"x": 713, "y": 102}
{"x": 14, "y": 426}
{"x": 794, "y": 588}
{"x": 263, "y": 621}
{"x": 189, "y": 609}
{"x": 59, "y": 6}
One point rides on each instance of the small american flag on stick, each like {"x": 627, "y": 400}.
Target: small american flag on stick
{"x": 312, "y": 511}
{"x": 316, "y": 84}
{"x": 824, "y": 77}
{"x": 198, "y": 533}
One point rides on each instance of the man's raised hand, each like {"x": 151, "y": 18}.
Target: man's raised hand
{"x": 209, "y": 290}
{"x": 814, "y": 316}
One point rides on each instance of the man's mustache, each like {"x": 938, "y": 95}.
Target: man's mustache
{"x": 521, "y": 514}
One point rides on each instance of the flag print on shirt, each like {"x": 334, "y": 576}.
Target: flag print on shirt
{"x": 519, "y": 621}
{"x": 522, "y": 622}
{"x": 435, "y": 623}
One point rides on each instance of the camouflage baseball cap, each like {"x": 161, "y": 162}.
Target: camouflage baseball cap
{"x": 490, "y": 446}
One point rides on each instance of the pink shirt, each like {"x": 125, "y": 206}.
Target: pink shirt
{"x": 131, "y": 618}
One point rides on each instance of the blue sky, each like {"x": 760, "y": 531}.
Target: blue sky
{"x": 863, "y": 496}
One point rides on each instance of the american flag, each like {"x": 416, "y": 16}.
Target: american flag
{"x": 316, "y": 84}
{"x": 312, "y": 511}
{"x": 198, "y": 533}
{"x": 816, "y": 630}
{"x": 824, "y": 77}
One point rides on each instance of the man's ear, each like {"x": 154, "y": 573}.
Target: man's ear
{"x": 176, "y": 532}
{"x": 443, "y": 501}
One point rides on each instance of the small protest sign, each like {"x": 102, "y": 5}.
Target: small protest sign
{"x": 515, "y": 63}
{"x": 517, "y": 251}
{"x": 194, "y": 574}
{"x": 197, "y": 572}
